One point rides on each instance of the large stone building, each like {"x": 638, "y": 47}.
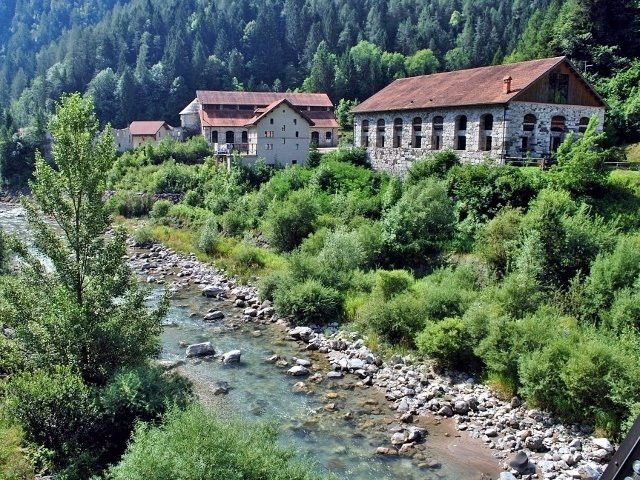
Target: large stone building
{"x": 515, "y": 111}
{"x": 278, "y": 127}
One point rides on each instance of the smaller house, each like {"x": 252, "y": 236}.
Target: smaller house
{"x": 148, "y": 132}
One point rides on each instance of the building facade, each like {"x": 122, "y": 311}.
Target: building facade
{"x": 149, "y": 133}
{"x": 233, "y": 123}
{"x": 503, "y": 113}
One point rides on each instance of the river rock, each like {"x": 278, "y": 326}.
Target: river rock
{"x": 298, "y": 371}
{"x": 603, "y": 443}
{"x": 398, "y": 438}
{"x": 215, "y": 315}
{"x": 355, "y": 364}
{"x": 300, "y": 387}
{"x": 200, "y": 350}
{"x": 212, "y": 291}
{"x": 534, "y": 444}
{"x": 416, "y": 434}
{"x": 445, "y": 411}
{"x": 170, "y": 364}
{"x": 221, "y": 388}
{"x": 386, "y": 451}
{"x": 250, "y": 312}
{"x": 461, "y": 407}
{"x": 303, "y": 362}
{"x": 231, "y": 357}
{"x": 301, "y": 333}
{"x": 334, "y": 375}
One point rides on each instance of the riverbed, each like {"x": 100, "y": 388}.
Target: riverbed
{"x": 337, "y": 424}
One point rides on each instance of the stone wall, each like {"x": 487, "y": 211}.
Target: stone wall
{"x": 397, "y": 160}
{"x": 506, "y": 133}
{"x": 540, "y": 137}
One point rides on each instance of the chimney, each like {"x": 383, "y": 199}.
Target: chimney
{"x": 506, "y": 87}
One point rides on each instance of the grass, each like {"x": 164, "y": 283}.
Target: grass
{"x": 633, "y": 153}
{"x": 14, "y": 464}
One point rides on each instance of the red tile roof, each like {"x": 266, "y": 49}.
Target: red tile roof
{"x": 261, "y": 112}
{"x": 475, "y": 86}
{"x": 322, "y": 119}
{"x": 211, "y": 97}
{"x": 225, "y": 118}
{"x": 146, "y": 127}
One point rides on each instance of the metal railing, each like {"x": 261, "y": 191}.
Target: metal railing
{"x": 231, "y": 148}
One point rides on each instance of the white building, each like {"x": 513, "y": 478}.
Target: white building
{"x": 278, "y": 127}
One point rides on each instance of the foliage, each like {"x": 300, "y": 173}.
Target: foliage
{"x": 193, "y": 444}
{"x": 392, "y": 282}
{"x": 160, "y": 209}
{"x": 289, "y": 222}
{"x": 314, "y": 157}
{"x": 130, "y": 204}
{"x": 209, "y": 236}
{"x": 309, "y": 303}
{"x": 434, "y": 165}
{"x": 447, "y": 342}
{"x": 14, "y": 464}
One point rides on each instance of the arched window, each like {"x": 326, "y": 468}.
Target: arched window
{"x": 315, "y": 138}
{"x": 214, "y": 136}
{"x": 529, "y": 123}
{"x": 230, "y": 137}
{"x": 364, "y": 134}
{"x": 417, "y": 133}
{"x": 486, "y": 132}
{"x": 558, "y": 124}
{"x": 461, "y": 132}
{"x": 438, "y": 126}
{"x": 245, "y": 137}
{"x": 584, "y": 123}
{"x": 397, "y": 133}
{"x": 380, "y": 133}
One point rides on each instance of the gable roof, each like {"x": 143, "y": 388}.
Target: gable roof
{"x": 474, "y": 86}
{"x": 262, "y": 112}
{"x": 146, "y": 127}
{"x": 192, "y": 108}
{"x": 216, "y": 97}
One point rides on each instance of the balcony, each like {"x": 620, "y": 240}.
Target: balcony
{"x": 234, "y": 148}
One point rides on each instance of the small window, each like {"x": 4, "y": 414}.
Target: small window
{"x": 529, "y": 123}
{"x": 462, "y": 122}
{"x": 417, "y": 133}
{"x": 438, "y": 127}
{"x": 214, "y": 136}
{"x": 438, "y": 123}
{"x": 284, "y": 140}
{"x": 295, "y": 121}
{"x": 294, "y": 162}
{"x": 284, "y": 128}
{"x": 328, "y": 136}
{"x": 364, "y": 135}
{"x": 397, "y": 133}
{"x": 271, "y": 121}
{"x": 461, "y": 132}
{"x": 584, "y": 123}
{"x": 558, "y": 123}
{"x": 315, "y": 138}
{"x": 380, "y": 133}
{"x": 462, "y": 142}
{"x": 297, "y": 146}
{"x": 297, "y": 133}
{"x": 525, "y": 144}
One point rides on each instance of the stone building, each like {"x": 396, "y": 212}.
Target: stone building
{"x": 504, "y": 112}
{"x": 232, "y": 123}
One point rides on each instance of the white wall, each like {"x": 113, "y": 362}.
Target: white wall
{"x": 287, "y": 148}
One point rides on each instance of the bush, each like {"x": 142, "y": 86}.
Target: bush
{"x": 55, "y": 409}
{"x": 193, "y": 198}
{"x": 194, "y": 444}
{"x": 174, "y": 178}
{"x": 270, "y": 283}
{"x": 143, "y": 236}
{"x": 497, "y": 239}
{"x": 435, "y": 165}
{"x": 309, "y": 303}
{"x": 14, "y": 464}
{"x": 389, "y": 283}
{"x": 342, "y": 251}
{"x": 288, "y": 223}
{"x": 314, "y": 157}
{"x": 248, "y": 257}
{"x": 130, "y": 205}
{"x": 161, "y": 209}
{"x": 396, "y": 320}
{"x": 356, "y": 156}
{"x": 448, "y": 342}
{"x": 209, "y": 237}
{"x": 420, "y": 223}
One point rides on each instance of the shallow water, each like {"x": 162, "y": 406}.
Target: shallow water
{"x": 260, "y": 391}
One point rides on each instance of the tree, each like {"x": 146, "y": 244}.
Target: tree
{"x": 422, "y": 62}
{"x": 343, "y": 113}
{"x": 91, "y": 288}
{"x": 103, "y": 89}
{"x": 323, "y": 69}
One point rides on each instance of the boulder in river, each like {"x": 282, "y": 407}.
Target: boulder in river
{"x": 200, "y": 350}
{"x": 298, "y": 371}
{"x": 221, "y": 388}
{"x": 301, "y": 333}
{"x": 211, "y": 291}
{"x": 231, "y": 357}
{"x": 215, "y": 315}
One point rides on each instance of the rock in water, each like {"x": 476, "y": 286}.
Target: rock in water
{"x": 222, "y": 388}
{"x": 200, "y": 350}
{"x": 231, "y": 357}
{"x": 212, "y": 291}
{"x": 215, "y": 315}
{"x": 298, "y": 371}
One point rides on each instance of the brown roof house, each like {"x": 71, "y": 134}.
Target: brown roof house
{"x": 278, "y": 127}
{"x": 148, "y": 132}
{"x": 511, "y": 111}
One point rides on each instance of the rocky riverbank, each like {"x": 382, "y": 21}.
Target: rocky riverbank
{"x": 526, "y": 443}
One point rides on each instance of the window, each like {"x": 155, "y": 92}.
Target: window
{"x": 315, "y": 138}
{"x": 269, "y": 134}
{"x": 461, "y": 132}
{"x": 294, "y": 162}
{"x": 245, "y": 137}
{"x": 328, "y": 136}
{"x": 584, "y": 123}
{"x": 380, "y": 133}
{"x": 486, "y": 132}
{"x": 364, "y": 134}
{"x": 284, "y": 128}
{"x": 397, "y": 133}
{"x": 557, "y": 131}
{"x": 295, "y": 121}
{"x": 438, "y": 127}
{"x": 297, "y": 146}
{"x": 417, "y": 133}
{"x": 271, "y": 121}
{"x": 214, "y": 136}
{"x": 525, "y": 144}
{"x": 230, "y": 137}
{"x": 558, "y": 87}
{"x": 284, "y": 140}
{"x": 269, "y": 146}
{"x": 529, "y": 123}
{"x": 297, "y": 134}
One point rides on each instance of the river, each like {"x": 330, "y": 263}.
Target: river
{"x": 338, "y": 424}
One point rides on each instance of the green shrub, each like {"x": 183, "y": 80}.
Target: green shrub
{"x": 195, "y": 444}
{"x": 269, "y": 284}
{"x": 396, "y": 321}
{"x": 234, "y": 222}
{"x": 193, "y": 198}
{"x": 143, "y": 236}
{"x": 4, "y": 251}
{"x": 130, "y": 204}
{"x": 372, "y": 243}
{"x": 248, "y": 256}
{"x": 14, "y": 464}
{"x": 12, "y": 357}
{"x": 356, "y": 156}
{"x": 309, "y": 303}
{"x": 288, "y": 223}
{"x": 420, "y": 223}
{"x": 392, "y": 282}
{"x": 209, "y": 237}
{"x": 447, "y": 342}
{"x": 342, "y": 251}
{"x": 314, "y": 157}
{"x": 160, "y": 209}
{"x": 624, "y": 312}
{"x": 55, "y": 409}
{"x": 434, "y": 165}
{"x": 497, "y": 239}
{"x": 174, "y": 178}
